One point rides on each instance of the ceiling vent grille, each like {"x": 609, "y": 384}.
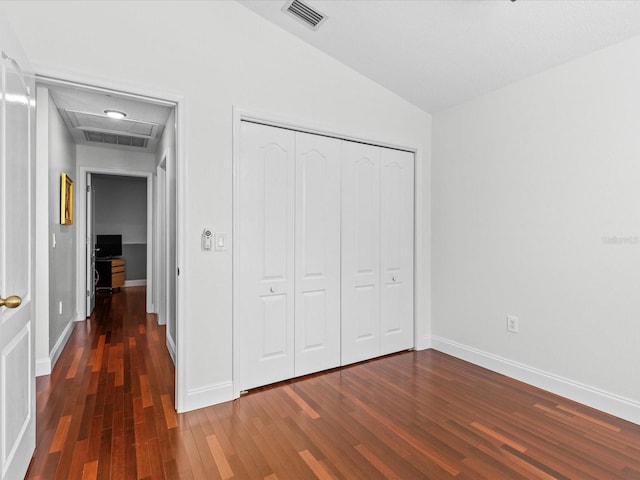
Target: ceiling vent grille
{"x": 101, "y": 123}
{"x": 302, "y": 12}
{"x": 112, "y": 139}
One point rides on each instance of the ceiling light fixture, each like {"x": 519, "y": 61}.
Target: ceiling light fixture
{"x": 115, "y": 114}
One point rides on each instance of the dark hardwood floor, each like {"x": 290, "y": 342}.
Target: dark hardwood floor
{"x": 107, "y": 412}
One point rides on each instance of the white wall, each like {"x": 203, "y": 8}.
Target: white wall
{"x": 62, "y": 257}
{"x": 528, "y": 182}
{"x": 216, "y": 55}
{"x": 104, "y": 157}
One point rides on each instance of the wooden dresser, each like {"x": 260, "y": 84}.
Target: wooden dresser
{"x": 110, "y": 273}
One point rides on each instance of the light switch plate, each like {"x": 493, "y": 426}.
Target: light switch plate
{"x": 221, "y": 242}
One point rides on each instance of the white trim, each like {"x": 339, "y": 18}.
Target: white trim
{"x": 43, "y": 366}
{"x": 161, "y": 258}
{"x": 46, "y": 74}
{"x": 421, "y": 337}
{"x": 291, "y": 122}
{"x": 49, "y": 74}
{"x": 42, "y": 234}
{"x": 424, "y": 343}
{"x": 208, "y": 395}
{"x": 81, "y": 228}
{"x": 171, "y": 346}
{"x": 135, "y": 283}
{"x": 182, "y": 309}
{"x": 235, "y": 257}
{"x": 151, "y": 246}
{"x": 594, "y": 397}
{"x": 60, "y": 344}
{"x": 419, "y": 330}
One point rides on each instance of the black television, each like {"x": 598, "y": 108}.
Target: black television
{"x": 108, "y": 246}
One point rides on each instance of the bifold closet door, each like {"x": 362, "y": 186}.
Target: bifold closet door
{"x": 396, "y": 250}
{"x": 265, "y": 242}
{"x": 360, "y": 252}
{"x": 325, "y": 253}
{"x": 317, "y": 254}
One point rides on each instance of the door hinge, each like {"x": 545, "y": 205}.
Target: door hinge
{"x": 88, "y": 188}
{"x": 88, "y": 293}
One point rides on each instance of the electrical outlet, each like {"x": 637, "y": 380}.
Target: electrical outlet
{"x": 512, "y": 324}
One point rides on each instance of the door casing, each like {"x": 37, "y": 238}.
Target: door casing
{"x": 53, "y": 77}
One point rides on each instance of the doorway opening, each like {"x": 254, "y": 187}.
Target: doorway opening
{"x": 84, "y": 140}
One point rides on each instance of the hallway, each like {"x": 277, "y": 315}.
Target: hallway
{"x": 107, "y": 410}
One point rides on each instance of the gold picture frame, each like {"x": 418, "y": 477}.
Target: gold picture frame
{"x": 66, "y": 200}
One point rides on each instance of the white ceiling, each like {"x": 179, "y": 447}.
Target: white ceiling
{"x": 440, "y": 53}
{"x": 94, "y": 103}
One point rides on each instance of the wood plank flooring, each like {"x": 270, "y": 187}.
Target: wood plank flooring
{"x": 107, "y": 412}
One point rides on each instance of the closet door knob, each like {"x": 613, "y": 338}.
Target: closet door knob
{"x": 271, "y": 290}
{"x": 393, "y": 279}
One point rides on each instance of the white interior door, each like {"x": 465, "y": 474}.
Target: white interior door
{"x": 266, "y": 244}
{"x": 17, "y": 198}
{"x": 317, "y": 253}
{"x": 360, "y": 252}
{"x": 91, "y": 247}
{"x": 396, "y": 250}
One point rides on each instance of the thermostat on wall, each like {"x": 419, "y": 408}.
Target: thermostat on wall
{"x": 206, "y": 239}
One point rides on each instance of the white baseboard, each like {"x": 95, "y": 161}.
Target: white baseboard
{"x": 207, "y": 396}
{"x": 171, "y": 346}
{"x": 60, "y": 344}
{"x": 613, "y": 404}
{"x": 43, "y": 366}
{"x": 135, "y": 283}
{"x": 423, "y": 343}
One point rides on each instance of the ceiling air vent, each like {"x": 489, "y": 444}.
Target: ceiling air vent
{"x": 304, "y": 13}
{"x": 112, "y": 139}
{"x": 102, "y": 123}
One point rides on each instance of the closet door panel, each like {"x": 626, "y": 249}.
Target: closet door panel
{"x": 317, "y": 254}
{"x": 396, "y": 255}
{"x": 360, "y": 252}
{"x": 265, "y": 242}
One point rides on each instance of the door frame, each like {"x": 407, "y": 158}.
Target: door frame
{"x": 421, "y": 334}
{"x": 45, "y": 75}
{"x": 90, "y": 246}
{"x": 160, "y": 257}
{"x": 81, "y": 209}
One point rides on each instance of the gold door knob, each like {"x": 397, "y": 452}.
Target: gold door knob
{"x": 10, "y": 302}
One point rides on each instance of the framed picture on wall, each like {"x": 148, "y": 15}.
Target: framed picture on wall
{"x": 66, "y": 200}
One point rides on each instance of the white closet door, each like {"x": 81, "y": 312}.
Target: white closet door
{"x": 360, "y": 252}
{"x": 265, "y": 242}
{"x": 396, "y": 254}
{"x": 317, "y": 254}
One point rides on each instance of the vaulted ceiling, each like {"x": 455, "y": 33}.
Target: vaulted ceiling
{"x": 439, "y": 53}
